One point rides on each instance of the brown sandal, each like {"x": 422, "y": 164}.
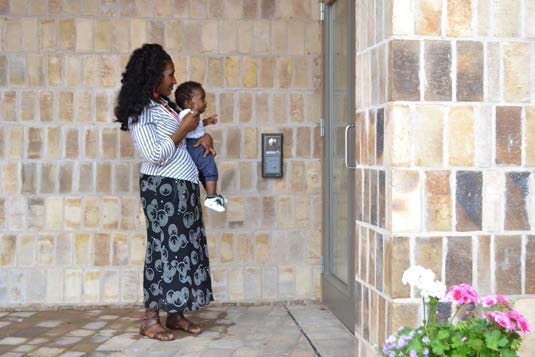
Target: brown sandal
{"x": 150, "y": 320}
{"x": 173, "y": 323}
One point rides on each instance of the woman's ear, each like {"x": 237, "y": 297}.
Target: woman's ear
{"x": 155, "y": 93}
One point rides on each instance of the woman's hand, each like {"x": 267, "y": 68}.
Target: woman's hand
{"x": 207, "y": 143}
{"x": 189, "y": 122}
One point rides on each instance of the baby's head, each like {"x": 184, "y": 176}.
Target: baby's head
{"x": 191, "y": 95}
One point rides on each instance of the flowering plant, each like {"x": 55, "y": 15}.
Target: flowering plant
{"x": 489, "y": 326}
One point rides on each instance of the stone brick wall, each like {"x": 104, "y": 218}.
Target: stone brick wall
{"x": 458, "y": 151}
{"x": 71, "y": 229}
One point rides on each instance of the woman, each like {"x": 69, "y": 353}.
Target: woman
{"x": 176, "y": 272}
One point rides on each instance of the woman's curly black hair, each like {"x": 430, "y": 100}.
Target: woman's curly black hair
{"x": 143, "y": 73}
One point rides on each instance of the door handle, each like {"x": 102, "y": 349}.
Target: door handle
{"x": 345, "y": 145}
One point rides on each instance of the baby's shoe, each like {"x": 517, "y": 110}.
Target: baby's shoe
{"x": 215, "y": 202}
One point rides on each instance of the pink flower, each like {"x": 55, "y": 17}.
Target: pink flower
{"x": 502, "y": 319}
{"x": 521, "y": 322}
{"x": 492, "y": 300}
{"x": 462, "y": 294}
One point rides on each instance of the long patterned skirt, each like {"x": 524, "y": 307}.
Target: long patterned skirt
{"x": 177, "y": 271}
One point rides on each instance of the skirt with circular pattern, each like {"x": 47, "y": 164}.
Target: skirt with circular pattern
{"x": 176, "y": 275}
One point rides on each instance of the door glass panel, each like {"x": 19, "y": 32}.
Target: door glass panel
{"x": 339, "y": 118}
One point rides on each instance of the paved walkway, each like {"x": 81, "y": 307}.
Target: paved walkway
{"x": 278, "y": 330}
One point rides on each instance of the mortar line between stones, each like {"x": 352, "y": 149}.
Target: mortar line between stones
{"x": 302, "y": 331}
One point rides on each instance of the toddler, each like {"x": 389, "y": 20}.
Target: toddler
{"x": 191, "y": 96}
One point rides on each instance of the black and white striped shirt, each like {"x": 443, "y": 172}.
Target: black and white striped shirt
{"x": 151, "y": 135}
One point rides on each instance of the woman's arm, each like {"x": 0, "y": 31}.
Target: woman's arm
{"x": 187, "y": 124}
{"x": 154, "y": 149}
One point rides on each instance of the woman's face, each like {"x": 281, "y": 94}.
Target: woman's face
{"x": 165, "y": 88}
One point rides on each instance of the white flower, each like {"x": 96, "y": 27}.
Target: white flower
{"x": 424, "y": 280}
{"x": 437, "y": 289}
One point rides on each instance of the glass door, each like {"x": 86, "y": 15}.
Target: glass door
{"x": 338, "y": 277}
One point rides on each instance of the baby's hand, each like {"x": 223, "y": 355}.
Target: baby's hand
{"x": 211, "y": 120}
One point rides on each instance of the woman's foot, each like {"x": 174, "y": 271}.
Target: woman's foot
{"x": 179, "y": 322}
{"x": 152, "y": 328}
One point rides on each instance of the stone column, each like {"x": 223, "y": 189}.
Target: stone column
{"x": 458, "y": 153}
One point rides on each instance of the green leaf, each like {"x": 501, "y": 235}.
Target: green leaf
{"x": 508, "y": 353}
{"x": 443, "y": 334}
{"x": 475, "y": 344}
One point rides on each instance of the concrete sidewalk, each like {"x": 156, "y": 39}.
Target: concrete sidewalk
{"x": 275, "y": 330}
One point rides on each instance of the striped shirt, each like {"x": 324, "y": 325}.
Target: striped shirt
{"x": 151, "y": 135}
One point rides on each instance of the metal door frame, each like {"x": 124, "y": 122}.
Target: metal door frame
{"x": 338, "y": 296}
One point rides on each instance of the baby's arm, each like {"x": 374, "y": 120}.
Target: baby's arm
{"x": 210, "y": 120}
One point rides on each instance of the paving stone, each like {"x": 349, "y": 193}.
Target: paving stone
{"x": 12, "y": 341}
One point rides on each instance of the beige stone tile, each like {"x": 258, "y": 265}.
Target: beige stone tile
{"x": 516, "y": 83}
{"x": 506, "y": 16}
{"x": 428, "y": 16}
{"x": 461, "y": 136}
{"x": 428, "y": 127}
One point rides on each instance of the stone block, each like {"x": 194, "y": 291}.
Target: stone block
{"x": 404, "y": 62}
{"x": 244, "y": 247}
{"x": 459, "y": 22}
{"x": 107, "y": 72}
{"x": 250, "y": 72}
{"x": 267, "y": 75}
{"x": 137, "y": 249}
{"x": 468, "y": 203}
{"x": 269, "y": 216}
{"x": 297, "y": 107}
{"x": 245, "y": 106}
{"x": 73, "y": 213}
{"x": 36, "y": 286}
{"x": 73, "y": 70}
{"x": 483, "y": 284}
{"x": 45, "y": 249}
{"x": 10, "y": 177}
{"x": 66, "y": 107}
{"x": 110, "y": 286}
{"x": 406, "y": 209}
{"x": 507, "y": 19}
{"x": 396, "y": 262}
{"x": 493, "y": 71}
{"x": 461, "y": 120}
{"x": 402, "y": 15}
{"x": 67, "y": 34}
{"x": 516, "y": 201}
{"x": 402, "y": 314}
{"x": 530, "y": 265}
{"x": 529, "y": 130}
{"x": 122, "y": 178}
{"x": 287, "y": 281}
{"x": 428, "y": 128}
{"x": 17, "y": 70}
{"x": 516, "y": 84}
{"x": 280, "y": 110}
{"x": 438, "y": 201}
{"x": 71, "y": 145}
{"x": 120, "y": 249}
{"x": 27, "y": 112}
{"x": 103, "y": 177}
{"x": 209, "y": 37}
{"x": 245, "y": 37}
{"x": 459, "y": 261}
{"x": 29, "y": 178}
{"x": 36, "y": 213}
{"x": 48, "y": 177}
{"x": 64, "y": 249}
{"x": 91, "y": 143}
{"x": 120, "y": 35}
{"x": 284, "y": 72}
{"x": 82, "y": 249}
{"x": 13, "y": 33}
{"x": 109, "y": 139}
{"x": 85, "y": 182}
{"x": 9, "y": 106}
{"x": 233, "y": 9}
{"x": 267, "y": 8}
{"x": 91, "y": 285}
{"x": 228, "y": 44}
{"x": 47, "y": 34}
{"x": 90, "y": 75}
{"x": 285, "y": 212}
{"x": 232, "y": 71}
{"x": 8, "y": 243}
{"x": 54, "y": 286}
{"x": 428, "y": 253}
{"x": 34, "y": 70}
{"x": 101, "y": 244}
{"x": 507, "y": 258}
{"x": 428, "y": 17}
{"x": 102, "y": 107}
{"x": 235, "y": 213}
{"x": 470, "y": 71}
{"x": 261, "y": 36}
{"x": 530, "y": 13}
{"x": 54, "y": 212}
{"x": 15, "y": 140}
{"x": 110, "y": 213}
{"x": 437, "y": 68}
{"x": 508, "y": 135}
{"x": 236, "y": 284}
{"x": 138, "y": 33}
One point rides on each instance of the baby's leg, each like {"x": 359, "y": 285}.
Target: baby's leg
{"x": 210, "y": 187}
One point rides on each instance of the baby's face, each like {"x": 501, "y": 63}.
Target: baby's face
{"x": 199, "y": 100}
